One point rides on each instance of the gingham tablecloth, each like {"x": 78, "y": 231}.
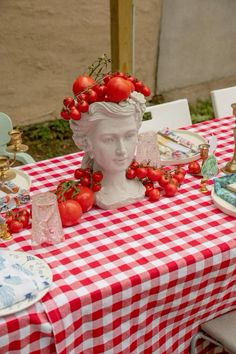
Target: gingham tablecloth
{"x": 138, "y": 279}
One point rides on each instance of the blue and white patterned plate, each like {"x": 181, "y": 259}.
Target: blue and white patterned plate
{"x": 37, "y": 267}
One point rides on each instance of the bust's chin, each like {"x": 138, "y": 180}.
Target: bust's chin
{"x": 114, "y": 199}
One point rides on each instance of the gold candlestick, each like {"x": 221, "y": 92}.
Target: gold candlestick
{"x": 15, "y": 144}
{"x": 6, "y": 174}
{"x": 230, "y": 167}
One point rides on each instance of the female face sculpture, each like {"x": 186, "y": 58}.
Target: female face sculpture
{"x": 108, "y": 134}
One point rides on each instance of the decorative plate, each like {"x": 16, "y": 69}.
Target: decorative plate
{"x": 15, "y": 191}
{"x": 221, "y": 204}
{"x": 35, "y": 265}
{"x": 194, "y": 138}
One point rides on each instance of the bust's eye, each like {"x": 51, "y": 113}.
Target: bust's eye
{"x": 130, "y": 135}
{"x": 108, "y": 139}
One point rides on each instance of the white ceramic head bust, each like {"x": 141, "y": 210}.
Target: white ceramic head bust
{"x": 108, "y": 134}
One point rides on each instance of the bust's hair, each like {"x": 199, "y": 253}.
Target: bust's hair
{"x": 134, "y": 106}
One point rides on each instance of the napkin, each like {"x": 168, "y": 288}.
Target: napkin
{"x": 17, "y": 283}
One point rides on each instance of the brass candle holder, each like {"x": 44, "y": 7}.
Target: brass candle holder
{"x": 15, "y": 145}
{"x": 204, "y": 151}
{"x": 230, "y": 167}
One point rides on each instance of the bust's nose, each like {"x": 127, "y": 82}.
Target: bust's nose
{"x": 121, "y": 148}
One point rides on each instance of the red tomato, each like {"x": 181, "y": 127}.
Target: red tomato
{"x": 118, "y": 89}
{"x": 81, "y": 83}
{"x": 97, "y": 176}
{"x": 91, "y": 96}
{"x": 75, "y": 114}
{"x": 179, "y": 176}
{"x": 154, "y": 195}
{"x": 181, "y": 169}
{"x": 24, "y": 220}
{"x": 139, "y": 86}
{"x": 130, "y": 173}
{"x": 164, "y": 180}
{"x": 148, "y": 188}
{"x": 82, "y": 106}
{"x": 65, "y": 114}
{"x": 85, "y": 197}
{"x": 134, "y": 164}
{"x": 79, "y": 172}
{"x": 171, "y": 189}
{"x": 154, "y": 174}
{"x": 96, "y": 187}
{"x": 15, "y": 226}
{"x": 70, "y": 212}
{"x": 194, "y": 167}
{"x": 68, "y": 102}
{"x": 141, "y": 172}
{"x": 146, "y": 91}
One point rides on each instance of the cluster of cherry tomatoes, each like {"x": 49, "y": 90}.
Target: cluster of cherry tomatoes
{"x": 18, "y": 219}
{"x": 114, "y": 87}
{"x": 76, "y": 197}
{"x": 157, "y": 180}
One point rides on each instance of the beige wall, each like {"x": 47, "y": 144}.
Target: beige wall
{"x": 45, "y": 44}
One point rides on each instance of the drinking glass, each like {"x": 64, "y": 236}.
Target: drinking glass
{"x": 46, "y": 221}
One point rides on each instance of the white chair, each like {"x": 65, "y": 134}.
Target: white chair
{"x": 174, "y": 114}
{"x": 222, "y": 100}
{"x": 5, "y": 128}
{"x": 220, "y": 331}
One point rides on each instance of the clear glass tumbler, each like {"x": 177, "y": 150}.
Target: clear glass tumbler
{"x": 46, "y": 221}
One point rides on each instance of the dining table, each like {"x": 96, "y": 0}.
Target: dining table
{"x": 141, "y": 278}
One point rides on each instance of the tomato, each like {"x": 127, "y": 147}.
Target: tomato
{"x": 70, "y": 212}
{"x": 181, "y": 169}
{"x": 118, "y": 89}
{"x": 81, "y": 83}
{"x": 179, "y": 176}
{"x": 65, "y": 114}
{"x": 24, "y": 220}
{"x": 68, "y": 102}
{"x": 132, "y": 87}
{"x": 194, "y": 167}
{"x": 141, "y": 172}
{"x": 139, "y": 86}
{"x": 149, "y": 186}
{"x": 79, "y": 172}
{"x": 134, "y": 164}
{"x": 146, "y": 91}
{"x": 171, "y": 189}
{"x": 91, "y": 96}
{"x": 106, "y": 79}
{"x": 85, "y": 181}
{"x": 154, "y": 174}
{"x": 97, "y": 176}
{"x": 101, "y": 91}
{"x": 85, "y": 197}
{"x": 96, "y": 186}
{"x": 130, "y": 173}
{"x": 164, "y": 179}
{"x": 154, "y": 195}
{"x": 15, "y": 226}
{"x": 75, "y": 113}
{"x": 82, "y": 106}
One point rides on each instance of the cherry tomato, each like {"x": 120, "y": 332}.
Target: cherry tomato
{"x": 97, "y": 176}
{"x": 134, "y": 164}
{"x": 65, "y": 114}
{"x": 75, "y": 114}
{"x": 139, "y": 86}
{"x": 70, "y": 212}
{"x": 146, "y": 91}
{"x": 130, "y": 173}
{"x": 24, "y": 220}
{"x": 82, "y": 106}
{"x": 96, "y": 187}
{"x": 85, "y": 197}
{"x": 154, "y": 174}
{"x": 194, "y": 167}
{"x": 118, "y": 89}
{"x": 148, "y": 188}
{"x": 164, "y": 179}
{"x": 179, "y": 176}
{"x": 91, "y": 96}
{"x": 15, "y": 226}
{"x": 171, "y": 189}
{"x": 154, "y": 195}
{"x": 181, "y": 169}
{"x": 85, "y": 181}
{"x": 68, "y": 102}
{"x": 81, "y": 83}
{"x": 141, "y": 172}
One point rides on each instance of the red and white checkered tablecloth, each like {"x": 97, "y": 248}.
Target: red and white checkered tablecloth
{"x": 138, "y": 279}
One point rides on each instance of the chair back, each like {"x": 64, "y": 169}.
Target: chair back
{"x": 5, "y": 128}
{"x": 222, "y": 100}
{"x": 174, "y": 114}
